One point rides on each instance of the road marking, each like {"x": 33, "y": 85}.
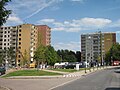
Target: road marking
{"x": 64, "y": 83}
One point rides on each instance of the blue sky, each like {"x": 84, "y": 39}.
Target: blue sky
{"x": 68, "y": 19}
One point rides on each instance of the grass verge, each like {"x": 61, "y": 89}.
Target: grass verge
{"x": 31, "y": 73}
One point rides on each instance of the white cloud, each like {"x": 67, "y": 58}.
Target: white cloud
{"x": 96, "y": 22}
{"x": 75, "y": 46}
{"x": 47, "y": 21}
{"x": 13, "y": 20}
{"x": 77, "y": 25}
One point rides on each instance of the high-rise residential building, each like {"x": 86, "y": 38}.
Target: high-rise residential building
{"x": 27, "y": 43}
{"x": 24, "y": 40}
{"x": 44, "y": 35}
{"x": 95, "y": 45}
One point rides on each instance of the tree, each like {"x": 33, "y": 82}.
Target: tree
{"x": 2, "y": 58}
{"x": 4, "y": 13}
{"x": 113, "y": 53}
{"x": 39, "y": 55}
{"x": 51, "y": 56}
{"x": 78, "y": 56}
{"x": 67, "y": 56}
{"x": 10, "y": 55}
{"x": 25, "y": 61}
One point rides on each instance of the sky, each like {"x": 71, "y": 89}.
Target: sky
{"x": 68, "y": 19}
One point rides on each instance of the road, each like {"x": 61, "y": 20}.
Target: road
{"x": 101, "y": 80}
{"x": 33, "y": 84}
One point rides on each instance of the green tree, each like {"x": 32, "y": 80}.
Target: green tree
{"x": 4, "y": 13}
{"x": 2, "y": 57}
{"x": 10, "y": 55}
{"x": 113, "y": 53}
{"x": 39, "y": 55}
{"x": 67, "y": 56}
{"x": 25, "y": 61}
{"x": 51, "y": 56}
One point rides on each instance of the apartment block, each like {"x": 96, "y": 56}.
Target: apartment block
{"x": 44, "y": 35}
{"x": 95, "y": 45}
{"x": 24, "y": 39}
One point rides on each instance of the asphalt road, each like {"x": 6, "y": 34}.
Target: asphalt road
{"x": 101, "y": 80}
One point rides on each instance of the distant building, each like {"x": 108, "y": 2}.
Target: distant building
{"x": 24, "y": 39}
{"x": 95, "y": 45}
{"x": 44, "y": 35}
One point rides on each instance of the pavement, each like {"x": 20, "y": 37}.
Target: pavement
{"x": 43, "y": 82}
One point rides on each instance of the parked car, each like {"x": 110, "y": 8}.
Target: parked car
{"x": 2, "y": 70}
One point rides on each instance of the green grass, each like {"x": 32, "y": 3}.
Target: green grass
{"x": 31, "y": 73}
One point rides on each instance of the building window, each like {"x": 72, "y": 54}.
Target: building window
{"x": 19, "y": 43}
{"x": 4, "y": 39}
{"x": 19, "y": 38}
{"x": 4, "y": 43}
{"x": 19, "y": 47}
{"x": 8, "y": 35}
{"x": 19, "y": 34}
{"x": 5, "y": 27}
{"x": 8, "y": 43}
{"x": 19, "y": 60}
{"x": 4, "y": 35}
{"x": 8, "y": 31}
{"x": 20, "y": 26}
{"x": 20, "y": 30}
{"x": 19, "y": 56}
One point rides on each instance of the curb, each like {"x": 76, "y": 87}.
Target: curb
{"x": 33, "y": 77}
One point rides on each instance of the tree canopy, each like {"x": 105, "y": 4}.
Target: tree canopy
{"x": 69, "y": 56}
{"x": 4, "y": 13}
{"x": 113, "y": 54}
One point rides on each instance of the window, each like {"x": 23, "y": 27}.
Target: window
{"x": 8, "y": 31}
{"x": 8, "y": 43}
{"x": 18, "y": 60}
{"x": 8, "y": 35}
{"x": 20, "y": 30}
{"x": 4, "y": 43}
{"x": 19, "y": 56}
{"x": 20, "y": 26}
{"x": 4, "y": 35}
{"x": 4, "y": 39}
{"x": 19, "y": 34}
{"x": 19, "y": 43}
{"x": 19, "y": 47}
{"x": 19, "y": 38}
{"x": 5, "y": 27}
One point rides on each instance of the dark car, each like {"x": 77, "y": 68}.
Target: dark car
{"x": 2, "y": 70}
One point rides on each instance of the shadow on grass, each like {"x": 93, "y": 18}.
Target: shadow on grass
{"x": 113, "y": 88}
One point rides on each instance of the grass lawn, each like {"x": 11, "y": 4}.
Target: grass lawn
{"x": 31, "y": 73}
